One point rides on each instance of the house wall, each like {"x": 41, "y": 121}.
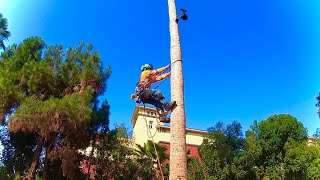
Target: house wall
{"x": 311, "y": 141}
{"x": 193, "y": 150}
{"x": 145, "y": 124}
{"x": 194, "y": 138}
{"x": 144, "y": 127}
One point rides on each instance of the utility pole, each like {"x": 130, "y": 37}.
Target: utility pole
{"x": 178, "y": 154}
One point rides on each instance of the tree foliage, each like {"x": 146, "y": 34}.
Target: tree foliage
{"x": 270, "y": 149}
{"x": 274, "y": 148}
{"x": 149, "y": 149}
{"x": 219, "y": 151}
{"x": 116, "y": 159}
{"x": 195, "y": 169}
{"x": 4, "y": 33}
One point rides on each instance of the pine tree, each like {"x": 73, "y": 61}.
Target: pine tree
{"x": 50, "y": 92}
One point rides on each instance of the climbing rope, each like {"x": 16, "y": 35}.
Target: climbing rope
{"x": 167, "y": 77}
{"x": 151, "y": 136}
{"x": 160, "y": 83}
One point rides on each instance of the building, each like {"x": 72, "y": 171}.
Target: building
{"x": 146, "y": 126}
{"x": 312, "y": 141}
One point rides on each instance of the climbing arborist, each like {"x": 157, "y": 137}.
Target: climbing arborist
{"x": 153, "y": 96}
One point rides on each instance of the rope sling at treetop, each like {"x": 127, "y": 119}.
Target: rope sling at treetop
{"x": 151, "y": 136}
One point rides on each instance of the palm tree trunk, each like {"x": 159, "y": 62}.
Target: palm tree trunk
{"x": 178, "y": 155}
{"x": 35, "y": 160}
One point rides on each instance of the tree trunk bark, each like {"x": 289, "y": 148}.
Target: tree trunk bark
{"x": 91, "y": 158}
{"x": 46, "y": 164}
{"x": 35, "y": 160}
{"x": 178, "y": 154}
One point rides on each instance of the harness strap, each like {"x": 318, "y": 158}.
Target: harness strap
{"x": 143, "y": 88}
{"x": 146, "y": 83}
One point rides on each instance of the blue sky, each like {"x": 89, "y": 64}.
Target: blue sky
{"x": 242, "y": 60}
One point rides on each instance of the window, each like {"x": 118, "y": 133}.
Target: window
{"x": 150, "y": 124}
{"x": 162, "y": 130}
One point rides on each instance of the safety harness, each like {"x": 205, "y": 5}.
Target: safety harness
{"x": 142, "y": 92}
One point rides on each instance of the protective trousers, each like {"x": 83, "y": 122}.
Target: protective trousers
{"x": 154, "y": 97}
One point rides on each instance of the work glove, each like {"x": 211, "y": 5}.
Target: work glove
{"x": 133, "y": 96}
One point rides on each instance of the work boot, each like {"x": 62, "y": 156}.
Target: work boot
{"x": 162, "y": 116}
{"x": 164, "y": 119}
{"x": 170, "y": 106}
